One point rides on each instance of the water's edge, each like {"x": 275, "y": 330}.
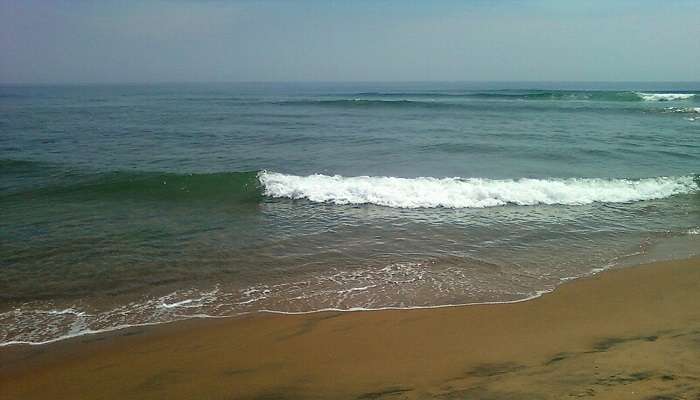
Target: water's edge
{"x": 594, "y": 272}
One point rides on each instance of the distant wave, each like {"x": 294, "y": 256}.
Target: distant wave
{"x": 366, "y": 103}
{"x": 471, "y": 192}
{"x": 437, "y": 99}
{"x": 665, "y": 96}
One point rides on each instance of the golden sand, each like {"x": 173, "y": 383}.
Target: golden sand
{"x": 624, "y": 334}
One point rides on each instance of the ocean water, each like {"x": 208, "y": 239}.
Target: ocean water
{"x": 137, "y": 204}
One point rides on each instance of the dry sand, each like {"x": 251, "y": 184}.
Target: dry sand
{"x": 624, "y": 334}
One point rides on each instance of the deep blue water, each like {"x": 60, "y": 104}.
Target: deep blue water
{"x": 127, "y": 204}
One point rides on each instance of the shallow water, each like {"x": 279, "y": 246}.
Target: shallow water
{"x": 136, "y": 204}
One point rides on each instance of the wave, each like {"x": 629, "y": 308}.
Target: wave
{"x": 437, "y": 99}
{"x": 665, "y": 96}
{"x": 367, "y": 103}
{"x": 564, "y": 95}
{"x": 509, "y": 94}
{"x": 423, "y": 192}
{"x": 222, "y": 186}
{"x": 429, "y": 192}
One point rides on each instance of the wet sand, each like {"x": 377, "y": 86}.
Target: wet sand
{"x": 626, "y": 334}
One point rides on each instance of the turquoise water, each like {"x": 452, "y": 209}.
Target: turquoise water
{"x": 132, "y": 204}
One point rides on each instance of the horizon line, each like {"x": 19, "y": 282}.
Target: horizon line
{"x": 106, "y": 83}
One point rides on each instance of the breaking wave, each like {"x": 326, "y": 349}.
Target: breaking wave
{"x": 429, "y": 192}
{"x": 665, "y": 96}
{"x": 424, "y": 192}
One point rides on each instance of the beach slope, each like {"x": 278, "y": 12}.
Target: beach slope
{"x": 632, "y": 333}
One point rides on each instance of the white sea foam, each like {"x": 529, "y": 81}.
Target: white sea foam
{"x": 664, "y": 96}
{"x": 67, "y": 311}
{"x": 684, "y": 110}
{"x": 469, "y": 193}
{"x": 177, "y": 304}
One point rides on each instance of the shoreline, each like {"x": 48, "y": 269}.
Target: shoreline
{"x": 539, "y": 293}
{"x": 479, "y": 351}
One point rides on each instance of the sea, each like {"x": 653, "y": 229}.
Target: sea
{"x": 137, "y": 204}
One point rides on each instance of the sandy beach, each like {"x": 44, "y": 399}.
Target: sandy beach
{"x": 349, "y": 200}
{"x": 625, "y": 334}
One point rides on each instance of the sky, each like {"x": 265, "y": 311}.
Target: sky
{"x": 81, "y": 41}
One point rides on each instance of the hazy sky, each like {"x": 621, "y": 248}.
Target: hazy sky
{"x": 283, "y": 40}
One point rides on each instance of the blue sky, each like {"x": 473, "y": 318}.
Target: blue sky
{"x": 358, "y": 40}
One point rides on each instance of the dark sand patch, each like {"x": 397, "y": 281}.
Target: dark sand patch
{"x": 385, "y": 393}
{"x": 488, "y": 370}
{"x": 308, "y": 325}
